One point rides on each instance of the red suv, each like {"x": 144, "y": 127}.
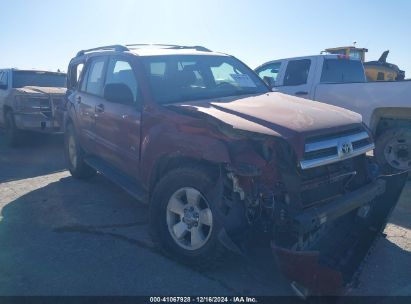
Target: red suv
{"x": 200, "y": 137}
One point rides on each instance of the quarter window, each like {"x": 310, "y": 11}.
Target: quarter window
{"x": 74, "y": 75}
{"x": 297, "y": 72}
{"x": 79, "y": 69}
{"x": 3, "y": 78}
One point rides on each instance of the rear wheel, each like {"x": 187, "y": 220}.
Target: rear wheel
{"x": 183, "y": 219}
{"x": 74, "y": 155}
{"x": 13, "y": 135}
{"x": 393, "y": 150}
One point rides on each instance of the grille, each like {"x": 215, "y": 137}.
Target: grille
{"x": 44, "y": 103}
{"x": 57, "y": 101}
{"x": 324, "y": 183}
{"x": 324, "y": 150}
{"x": 48, "y": 114}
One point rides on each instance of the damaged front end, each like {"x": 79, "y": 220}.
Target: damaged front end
{"x": 325, "y": 259}
{"x": 322, "y": 219}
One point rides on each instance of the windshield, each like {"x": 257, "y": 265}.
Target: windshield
{"x": 39, "y": 79}
{"x": 342, "y": 70}
{"x": 176, "y": 78}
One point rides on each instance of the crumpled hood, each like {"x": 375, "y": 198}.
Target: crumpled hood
{"x": 39, "y": 90}
{"x": 277, "y": 114}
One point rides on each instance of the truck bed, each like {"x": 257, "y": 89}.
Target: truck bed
{"x": 361, "y": 97}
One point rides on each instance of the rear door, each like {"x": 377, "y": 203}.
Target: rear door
{"x": 298, "y": 78}
{"x": 118, "y": 121}
{"x": 89, "y": 95}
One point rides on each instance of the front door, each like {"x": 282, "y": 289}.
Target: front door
{"x": 298, "y": 78}
{"x": 118, "y": 117}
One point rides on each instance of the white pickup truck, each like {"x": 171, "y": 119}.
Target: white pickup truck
{"x": 340, "y": 80}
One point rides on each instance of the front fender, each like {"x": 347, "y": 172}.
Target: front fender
{"x": 161, "y": 143}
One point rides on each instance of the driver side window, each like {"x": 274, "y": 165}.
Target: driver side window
{"x": 121, "y": 75}
{"x": 270, "y": 70}
{"x": 297, "y": 72}
{"x": 120, "y": 72}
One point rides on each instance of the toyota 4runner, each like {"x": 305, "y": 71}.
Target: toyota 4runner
{"x": 218, "y": 156}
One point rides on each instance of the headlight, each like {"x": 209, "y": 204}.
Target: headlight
{"x": 32, "y": 103}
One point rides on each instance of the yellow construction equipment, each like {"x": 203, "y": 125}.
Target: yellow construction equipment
{"x": 351, "y": 51}
{"x": 379, "y": 70}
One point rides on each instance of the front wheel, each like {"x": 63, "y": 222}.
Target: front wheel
{"x": 74, "y": 155}
{"x": 183, "y": 218}
{"x": 13, "y": 135}
{"x": 393, "y": 150}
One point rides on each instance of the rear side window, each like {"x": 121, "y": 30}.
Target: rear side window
{"x": 342, "y": 70}
{"x": 270, "y": 70}
{"x": 95, "y": 77}
{"x": 158, "y": 68}
{"x": 297, "y": 72}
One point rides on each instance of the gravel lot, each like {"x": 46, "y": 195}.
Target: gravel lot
{"x": 61, "y": 236}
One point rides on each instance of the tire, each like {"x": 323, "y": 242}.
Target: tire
{"x": 393, "y": 150}
{"x": 74, "y": 155}
{"x": 13, "y": 135}
{"x": 199, "y": 245}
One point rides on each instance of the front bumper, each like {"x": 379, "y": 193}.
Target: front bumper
{"x": 328, "y": 263}
{"x": 309, "y": 220}
{"x": 36, "y": 121}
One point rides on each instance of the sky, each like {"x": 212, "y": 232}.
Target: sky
{"x": 47, "y": 34}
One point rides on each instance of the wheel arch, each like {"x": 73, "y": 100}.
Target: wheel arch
{"x": 170, "y": 162}
{"x": 384, "y": 118}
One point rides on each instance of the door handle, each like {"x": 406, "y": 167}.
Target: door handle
{"x": 100, "y": 108}
{"x": 301, "y": 93}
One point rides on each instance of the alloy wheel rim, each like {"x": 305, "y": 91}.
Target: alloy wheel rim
{"x": 189, "y": 218}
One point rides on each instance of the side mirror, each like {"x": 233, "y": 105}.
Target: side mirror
{"x": 3, "y": 86}
{"x": 119, "y": 93}
{"x": 269, "y": 81}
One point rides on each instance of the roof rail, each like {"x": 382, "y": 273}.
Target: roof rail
{"x": 115, "y": 47}
{"x": 169, "y": 46}
{"x": 127, "y": 47}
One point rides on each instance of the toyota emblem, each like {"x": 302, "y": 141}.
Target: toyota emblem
{"x": 346, "y": 148}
